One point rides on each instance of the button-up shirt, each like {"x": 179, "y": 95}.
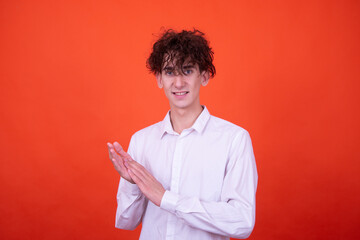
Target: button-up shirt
{"x": 209, "y": 174}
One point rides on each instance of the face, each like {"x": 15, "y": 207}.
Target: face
{"x": 182, "y": 88}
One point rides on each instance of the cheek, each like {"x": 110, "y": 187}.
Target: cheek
{"x": 197, "y": 86}
{"x": 167, "y": 90}
{"x": 167, "y": 93}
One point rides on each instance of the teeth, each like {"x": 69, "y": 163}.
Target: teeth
{"x": 180, "y": 93}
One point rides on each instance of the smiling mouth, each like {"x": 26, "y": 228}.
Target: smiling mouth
{"x": 180, "y": 93}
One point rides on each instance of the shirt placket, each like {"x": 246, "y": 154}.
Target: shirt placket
{"x": 175, "y": 181}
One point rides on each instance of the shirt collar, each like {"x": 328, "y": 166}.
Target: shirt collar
{"x": 198, "y": 125}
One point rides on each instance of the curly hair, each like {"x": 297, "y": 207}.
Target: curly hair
{"x": 178, "y": 47}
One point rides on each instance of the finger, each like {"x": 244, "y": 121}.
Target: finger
{"x": 115, "y": 155}
{"x": 139, "y": 170}
{"x": 118, "y": 147}
{"x": 116, "y": 164}
{"x": 119, "y": 166}
{"x": 120, "y": 150}
{"x": 110, "y": 146}
{"x": 135, "y": 178}
{"x": 138, "y": 167}
{"x": 139, "y": 174}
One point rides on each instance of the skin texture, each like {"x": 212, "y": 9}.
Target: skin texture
{"x": 185, "y": 109}
{"x": 148, "y": 185}
{"x": 134, "y": 172}
{"x": 189, "y": 83}
{"x": 117, "y": 156}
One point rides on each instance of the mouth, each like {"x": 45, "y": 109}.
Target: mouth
{"x": 182, "y": 93}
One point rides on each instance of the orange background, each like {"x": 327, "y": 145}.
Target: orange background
{"x": 73, "y": 77}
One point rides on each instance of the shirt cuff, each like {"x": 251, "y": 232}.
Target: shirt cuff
{"x": 169, "y": 201}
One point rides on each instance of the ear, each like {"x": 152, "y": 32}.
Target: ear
{"x": 205, "y": 78}
{"x": 159, "y": 80}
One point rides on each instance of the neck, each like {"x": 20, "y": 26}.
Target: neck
{"x": 184, "y": 118}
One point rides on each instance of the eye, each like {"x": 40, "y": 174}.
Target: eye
{"x": 168, "y": 72}
{"x": 188, "y": 71}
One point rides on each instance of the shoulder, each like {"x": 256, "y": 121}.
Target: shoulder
{"x": 225, "y": 127}
{"x": 234, "y": 138}
{"x": 151, "y": 131}
{"x": 226, "y": 134}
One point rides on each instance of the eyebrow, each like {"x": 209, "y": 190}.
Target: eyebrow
{"x": 168, "y": 68}
{"x": 171, "y": 68}
{"x": 188, "y": 66}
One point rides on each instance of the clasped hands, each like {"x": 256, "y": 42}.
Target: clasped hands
{"x": 135, "y": 173}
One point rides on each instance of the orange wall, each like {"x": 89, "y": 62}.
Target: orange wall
{"x": 73, "y": 77}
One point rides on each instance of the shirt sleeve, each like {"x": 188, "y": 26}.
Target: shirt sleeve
{"x": 131, "y": 203}
{"x": 234, "y": 214}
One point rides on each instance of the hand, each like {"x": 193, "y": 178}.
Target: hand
{"x": 148, "y": 185}
{"x": 117, "y": 156}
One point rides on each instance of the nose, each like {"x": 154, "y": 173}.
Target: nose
{"x": 179, "y": 81}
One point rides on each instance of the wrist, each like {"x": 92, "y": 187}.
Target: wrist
{"x": 169, "y": 201}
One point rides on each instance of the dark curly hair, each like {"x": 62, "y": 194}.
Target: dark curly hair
{"x": 178, "y": 47}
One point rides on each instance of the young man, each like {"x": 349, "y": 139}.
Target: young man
{"x": 192, "y": 175}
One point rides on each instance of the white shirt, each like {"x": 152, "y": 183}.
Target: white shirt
{"x": 210, "y": 177}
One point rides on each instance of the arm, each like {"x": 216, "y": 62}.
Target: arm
{"x": 131, "y": 206}
{"x": 131, "y": 202}
{"x": 233, "y": 215}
